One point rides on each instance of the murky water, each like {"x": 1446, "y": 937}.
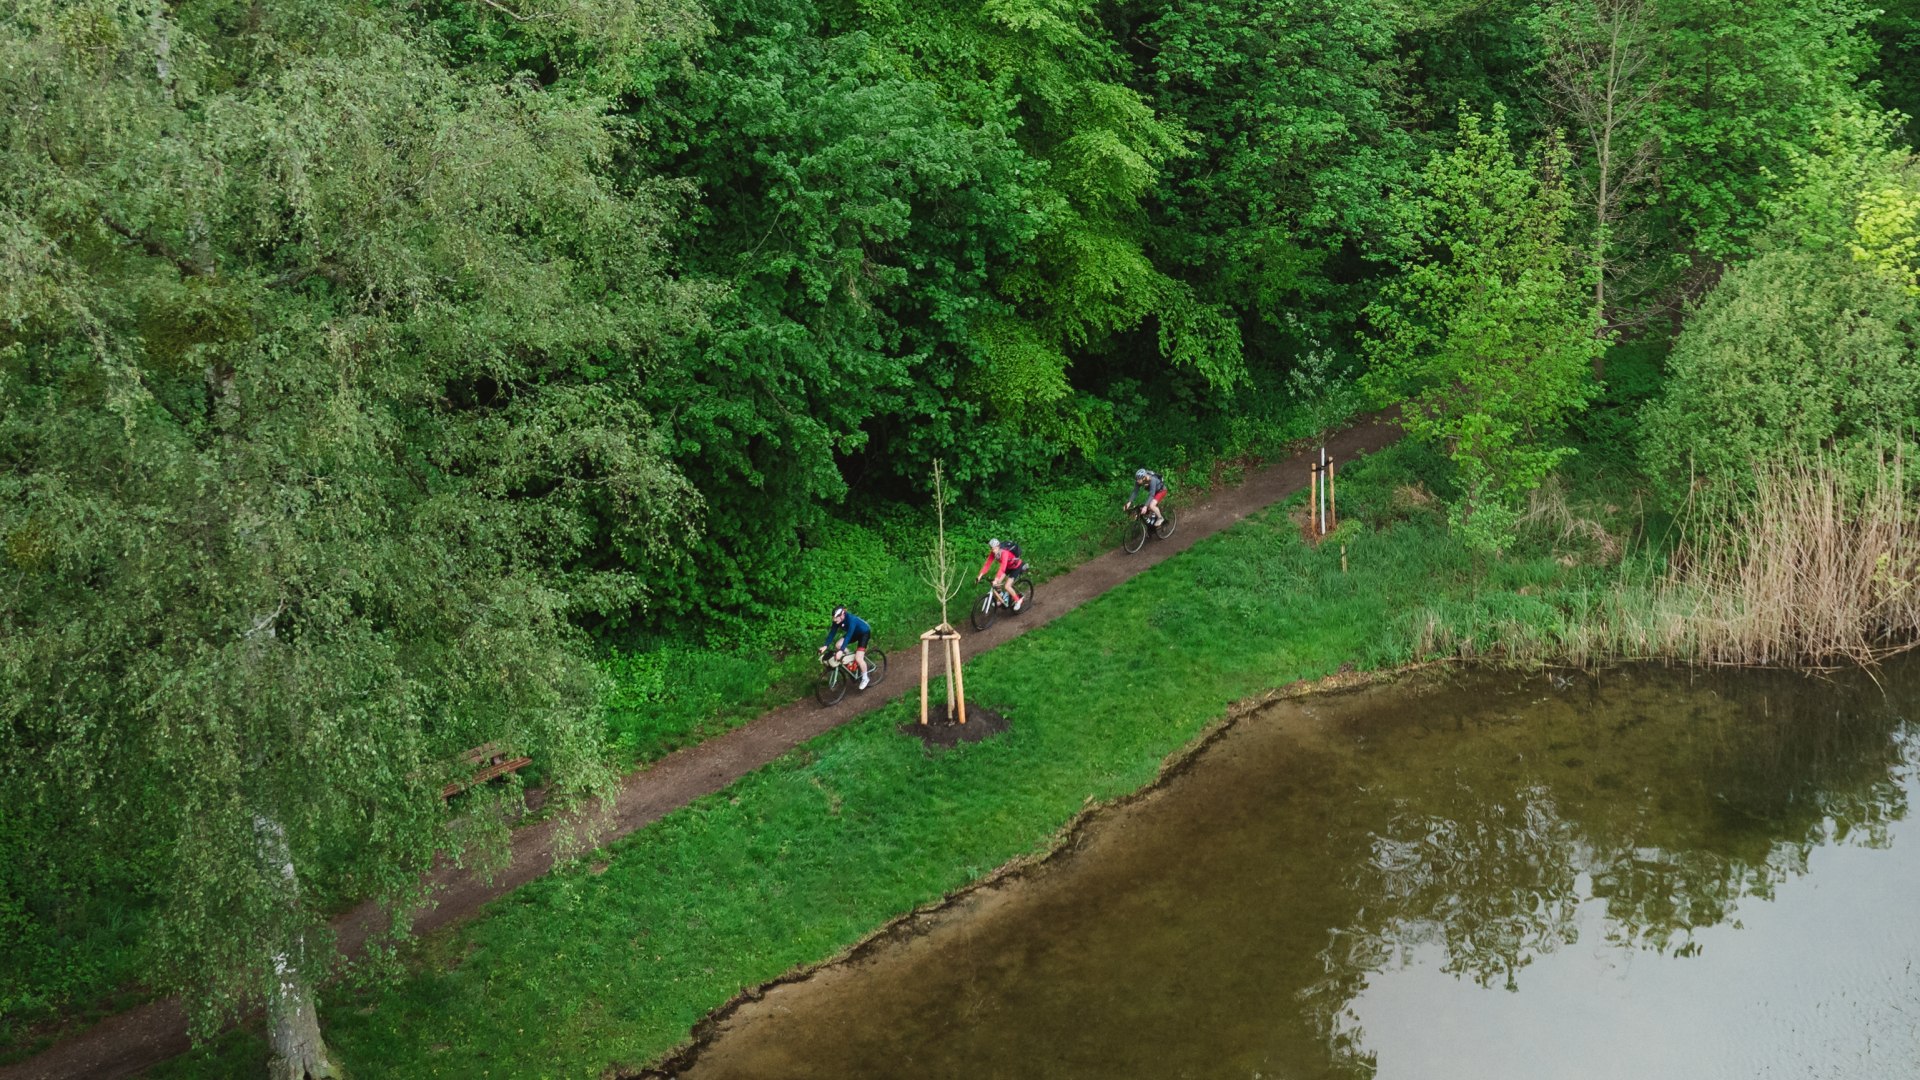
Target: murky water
{"x": 1644, "y": 875}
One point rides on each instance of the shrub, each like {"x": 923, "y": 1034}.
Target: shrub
{"x": 1794, "y": 353}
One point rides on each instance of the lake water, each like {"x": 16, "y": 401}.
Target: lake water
{"x": 1644, "y": 874}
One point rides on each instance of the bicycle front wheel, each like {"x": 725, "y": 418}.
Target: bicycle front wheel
{"x": 1136, "y": 537}
{"x": 833, "y": 685}
{"x": 985, "y": 612}
{"x": 1165, "y": 528}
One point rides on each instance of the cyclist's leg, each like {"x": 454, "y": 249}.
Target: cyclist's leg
{"x": 1000, "y": 582}
{"x": 1153, "y": 509}
{"x": 860, "y": 657}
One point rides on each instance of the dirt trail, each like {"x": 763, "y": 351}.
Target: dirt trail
{"x": 126, "y": 1043}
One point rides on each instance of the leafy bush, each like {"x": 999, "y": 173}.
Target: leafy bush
{"x": 1793, "y": 353}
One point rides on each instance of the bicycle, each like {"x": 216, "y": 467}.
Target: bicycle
{"x": 1137, "y": 530}
{"x": 988, "y": 609}
{"x": 843, "y": 673}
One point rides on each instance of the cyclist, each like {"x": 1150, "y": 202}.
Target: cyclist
{"x": 1008, "y": 556}
{"x": 1156, "y": 489}
{"x": 854, "y": 633}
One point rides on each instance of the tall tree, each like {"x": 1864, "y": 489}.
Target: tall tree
{"x": 1747, "y": 84}
{"x": 1293, "y": 108}
{"x": 1600, "y": 62}
{"x": 318, "y": 369}
{"x": 1486, "y": 337}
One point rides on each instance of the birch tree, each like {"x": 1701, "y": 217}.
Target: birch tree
{"x": 315, "y": 359}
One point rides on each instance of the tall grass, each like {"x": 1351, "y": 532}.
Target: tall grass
{"x": 1818, "y": 569}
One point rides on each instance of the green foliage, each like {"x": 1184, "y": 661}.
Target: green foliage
{"x": 1486, "y": 340}
{"x": 1810, "y": 346}
{"x": 1292, "y": 106}
{"x": 1896, "y": 30}
{"x": 1792, "y": 353}
{"x": 1747, "y": 84}
{"x": 318, "y": 412}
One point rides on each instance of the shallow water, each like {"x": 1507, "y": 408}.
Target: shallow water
{"x": 1647, "y": 874}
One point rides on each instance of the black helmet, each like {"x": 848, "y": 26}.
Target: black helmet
{"x": 840, "y": 613}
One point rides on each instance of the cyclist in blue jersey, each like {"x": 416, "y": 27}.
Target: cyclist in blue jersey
{"x": 854, "y": 633}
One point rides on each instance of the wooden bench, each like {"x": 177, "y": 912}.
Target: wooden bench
{"x": 489, "y": 762}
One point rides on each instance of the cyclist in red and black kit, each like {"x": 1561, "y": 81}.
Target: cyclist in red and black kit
{"x": 1008, "y": 557}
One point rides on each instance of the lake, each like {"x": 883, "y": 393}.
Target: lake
{"x": 1644, "y": 873}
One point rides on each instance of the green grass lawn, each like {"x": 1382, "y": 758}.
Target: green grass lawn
{"x": 612, "y": 963}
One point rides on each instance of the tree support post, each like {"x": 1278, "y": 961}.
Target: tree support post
{"x": 926, "y": 640}
{"x": 949, "y": 640}
{"x": 959, "y": 679}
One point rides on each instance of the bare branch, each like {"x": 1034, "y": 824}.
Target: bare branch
{"x": 938, "y": 569}
{"x": 512, "y": 14}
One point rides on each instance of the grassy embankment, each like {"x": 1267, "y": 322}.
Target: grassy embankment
{"x": 611, "y": 964}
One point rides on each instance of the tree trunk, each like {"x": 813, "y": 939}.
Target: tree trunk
{"x": 293, "y": 1016}
{"x": 293, "y": 1027}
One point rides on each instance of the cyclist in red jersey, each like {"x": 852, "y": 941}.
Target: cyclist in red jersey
{"x": 1008, "y": 558}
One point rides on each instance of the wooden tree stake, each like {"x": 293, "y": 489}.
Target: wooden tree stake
{"x": 959, "y": 681}
{"x": 923, "y": 677}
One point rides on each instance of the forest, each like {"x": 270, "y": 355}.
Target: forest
{"x": 384, "y": 378}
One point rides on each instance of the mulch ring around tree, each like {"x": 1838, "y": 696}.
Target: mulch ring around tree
{"x": 943, "y": 730}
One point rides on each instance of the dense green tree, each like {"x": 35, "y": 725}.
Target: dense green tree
{"x": 1293, "y": 110}
{"x": 1744, "y": 85}
{"x": 1486, "y": 337}
{"x": 318, "y": 416}
{"x": 1811, "y": 346}
{"x": 1896, "y": 30}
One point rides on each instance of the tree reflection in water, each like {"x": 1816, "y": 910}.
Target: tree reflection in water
{"x": 1492, "y": 843}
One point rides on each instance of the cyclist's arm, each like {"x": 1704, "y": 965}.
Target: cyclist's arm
{"x": 984, "y": 565}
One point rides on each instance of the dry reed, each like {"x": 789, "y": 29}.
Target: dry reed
{"x": 1819, "y": 569}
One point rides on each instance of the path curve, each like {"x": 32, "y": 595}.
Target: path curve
{"x": 128, "y": 1042}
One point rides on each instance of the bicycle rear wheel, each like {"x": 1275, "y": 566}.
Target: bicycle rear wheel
{"x": 1165, "y": 528}
{"x": 833, "y": 685}
{"x": 1024, "y": 586}
{"x": 1136, "y": 536}
{"x": 984, "y": 612}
